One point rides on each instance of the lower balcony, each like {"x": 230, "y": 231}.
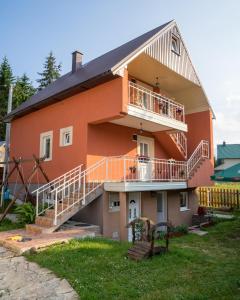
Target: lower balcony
{"x": 152, "y": 111}
{"x": 144, "y": 173}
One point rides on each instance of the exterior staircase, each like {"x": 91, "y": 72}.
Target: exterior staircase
{"x": 200, "y": 154}
{"x": 174, "y": 143}
{"x": 60, "y": 199}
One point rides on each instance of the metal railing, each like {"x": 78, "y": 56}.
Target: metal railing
{"x": 141, "y": 168}
{"x": 73, "y": 187}
{"x": 154, "y": 102}
{"x": 46, "y": 194}
{"x": 180, "y": 140}
{"x": 201, "y": 152}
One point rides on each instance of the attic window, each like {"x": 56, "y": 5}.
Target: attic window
{"x": 175, "y": 44}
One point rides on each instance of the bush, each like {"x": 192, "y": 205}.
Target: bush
{"x": 181, "y": 228}
{"x": 26, "y": 213}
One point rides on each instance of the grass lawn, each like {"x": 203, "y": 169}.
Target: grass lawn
{"x": 195, "y": 268}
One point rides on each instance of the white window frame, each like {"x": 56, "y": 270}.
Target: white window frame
{"x": 184, "y": 208}
{"x": 63, "y": 131}
{"x": 177, "y": 40}
{"x": 112, "y": 207}
{"x": 43, "y": 136}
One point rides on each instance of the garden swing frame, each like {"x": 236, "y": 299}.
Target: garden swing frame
{"x": 25, "y": 182}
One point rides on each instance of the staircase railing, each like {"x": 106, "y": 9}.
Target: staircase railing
{"x": 80, "y": 187}
{"x": 201, "y": 152}
{"x": 180, "y": 140}
{"x": 45, "y": 195}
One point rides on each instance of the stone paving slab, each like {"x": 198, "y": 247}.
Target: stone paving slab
{"x": 23, "y": 280}
{"x": 40, "y": 240}
{"x": 198, "y": 231}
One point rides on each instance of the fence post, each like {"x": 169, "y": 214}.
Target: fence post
{"x": 84, "y": 188}
{"x": 37, "y": 204}
{"x": 208, "y": 198}
{"x": 56, "y": 209}
{"x": 170, "y": 169}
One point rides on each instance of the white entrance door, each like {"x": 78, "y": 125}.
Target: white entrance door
{"x": 161, "y": 207}
{"x": 133, "y": 210}
{"x": 145, "y": 152}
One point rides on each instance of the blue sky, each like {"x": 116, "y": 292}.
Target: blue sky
{"x": 31, "y": 28}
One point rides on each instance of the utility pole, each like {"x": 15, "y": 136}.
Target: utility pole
{"x": 7, "y": 145}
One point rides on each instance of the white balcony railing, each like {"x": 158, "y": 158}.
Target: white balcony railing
{"x": 150, "y": 101}
{"x": 129, "y": 169}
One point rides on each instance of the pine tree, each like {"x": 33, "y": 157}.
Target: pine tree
{"x": 51, "y": 71}
{"x": 23, "y": 90}
{"x": 6, "y": 77}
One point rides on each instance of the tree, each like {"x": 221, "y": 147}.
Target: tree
{"x": 23, "y": 90}
{"x": 51, "y": 71}
{"x": 6, "y": 78}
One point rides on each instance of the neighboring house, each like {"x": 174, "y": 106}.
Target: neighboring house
{"x": 228, "y": 163}
{"x": 137, "y": 119}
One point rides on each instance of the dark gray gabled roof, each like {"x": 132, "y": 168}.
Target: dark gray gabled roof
{"x": 92, "y": 73}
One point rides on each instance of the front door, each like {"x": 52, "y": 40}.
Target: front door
{"x": 161, "y": 207}
{"x": 133, "y": 209}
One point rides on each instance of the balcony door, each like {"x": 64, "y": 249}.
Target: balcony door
{"x": 145, "y": 154}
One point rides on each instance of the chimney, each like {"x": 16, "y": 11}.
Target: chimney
{"x": 76, "y": 61}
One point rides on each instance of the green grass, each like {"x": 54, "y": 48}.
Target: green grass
{"x": 8, "y": 225}
{"x": 196, "y": 267}
{"x": 233, "y": 185}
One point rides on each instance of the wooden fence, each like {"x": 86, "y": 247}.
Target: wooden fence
{"x": 219, "y": 197}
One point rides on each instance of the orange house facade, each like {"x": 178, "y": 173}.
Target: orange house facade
{"x": 128, "y": 134}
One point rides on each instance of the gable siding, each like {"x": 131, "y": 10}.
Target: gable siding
{"x": 160, "y": 50}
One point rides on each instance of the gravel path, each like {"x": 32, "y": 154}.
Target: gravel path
{"x": 23, "y": 280}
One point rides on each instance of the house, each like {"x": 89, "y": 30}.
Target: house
{"x": 127, "y": 134}
{"x": 228, "y": 163}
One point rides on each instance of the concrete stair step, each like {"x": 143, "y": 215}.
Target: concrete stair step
{"x": 44, "y": 221}
{"x": 36, "y": 229}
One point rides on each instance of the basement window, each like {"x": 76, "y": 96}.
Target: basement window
{"x": 183, "y": 201}
{"x": 66, "y": 136}
{"x": 46, "y": 141}
{"x": 175, "y": 44}
{"x": 114, "y": 202}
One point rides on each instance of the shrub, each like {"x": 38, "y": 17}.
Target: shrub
{"x": 26, "y": 213}
{"x": 180, "y": 228}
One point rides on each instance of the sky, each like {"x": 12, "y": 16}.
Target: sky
{"x": 30, "y": 29}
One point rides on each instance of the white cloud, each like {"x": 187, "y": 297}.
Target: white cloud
{"x": 227, "y": 110}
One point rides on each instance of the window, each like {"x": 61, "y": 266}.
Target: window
{"x": 183, "y": 201}
{"x": 114, "y": 202}
{"x": 144, "y": 149}
{"x": 46, "y": 145}
{"x": 66, "y": 136}
{"x": 175, "y": 44}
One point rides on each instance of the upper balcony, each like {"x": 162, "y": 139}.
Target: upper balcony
{"x": 152, "y": 111}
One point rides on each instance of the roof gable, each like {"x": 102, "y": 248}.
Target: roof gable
{"x": 161, "y": 50}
